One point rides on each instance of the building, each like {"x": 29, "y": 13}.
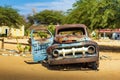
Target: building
{"x": 14, "y": 32}
{"x": 109, "y": 33}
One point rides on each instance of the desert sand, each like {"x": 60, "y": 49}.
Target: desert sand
{"x": 14, "y": 68}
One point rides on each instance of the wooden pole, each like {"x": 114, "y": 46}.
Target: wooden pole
{"x": 3, "y": 43}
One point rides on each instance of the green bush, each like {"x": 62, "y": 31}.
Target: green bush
{"x": 51, "y": 28}
{"x": 42, "y": 34}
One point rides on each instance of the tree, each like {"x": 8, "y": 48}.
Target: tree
{"x": 10, "y": 17}
{"x": 95, "y": 13}
{"x": 49, "y": 16}
{"x": 30, "y": 19}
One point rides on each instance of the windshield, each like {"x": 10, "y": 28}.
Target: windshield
{"x": 72, "y": 31}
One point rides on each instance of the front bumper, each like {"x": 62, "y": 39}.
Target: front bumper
{"x": 73, "y": 60}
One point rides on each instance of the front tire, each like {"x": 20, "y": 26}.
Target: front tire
{"x": 95, "y": 65}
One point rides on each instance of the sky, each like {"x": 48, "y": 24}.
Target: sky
{"x": 26, "y": 7}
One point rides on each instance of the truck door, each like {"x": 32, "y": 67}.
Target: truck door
{"x": 40, "y": 41}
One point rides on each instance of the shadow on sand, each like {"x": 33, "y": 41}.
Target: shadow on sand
{"x": 68, "y": 67}
{"x": 105, "y": 48}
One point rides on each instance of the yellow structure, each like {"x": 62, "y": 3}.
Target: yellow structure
{"x": 14, "y": 32}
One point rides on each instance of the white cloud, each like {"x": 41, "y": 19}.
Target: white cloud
{"x": 63, "y": 5}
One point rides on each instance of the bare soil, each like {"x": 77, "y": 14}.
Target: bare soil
{"x": 14, "y": 68}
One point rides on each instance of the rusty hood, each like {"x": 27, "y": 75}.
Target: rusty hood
{"x": 71, "y": 39}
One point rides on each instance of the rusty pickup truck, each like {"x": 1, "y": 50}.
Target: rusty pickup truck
{"x": 69, "y": 45}
{"x": 73, "y": 45}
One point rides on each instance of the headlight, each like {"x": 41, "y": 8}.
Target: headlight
{"x": 55, "y": 53}
{"x": 91, "y": 49}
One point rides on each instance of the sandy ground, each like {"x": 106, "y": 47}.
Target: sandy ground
{"x": 14, "y": 68}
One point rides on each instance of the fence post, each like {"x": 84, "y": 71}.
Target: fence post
{"x": 2, "y": 43}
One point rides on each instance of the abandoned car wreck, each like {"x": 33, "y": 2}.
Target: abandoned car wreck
{"x": 71, "y": 44}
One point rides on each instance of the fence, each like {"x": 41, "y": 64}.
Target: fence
{"x": 12, "y": 43}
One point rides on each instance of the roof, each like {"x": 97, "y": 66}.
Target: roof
{"x": 70, "y": 26}
{"x": 109, "y": 30}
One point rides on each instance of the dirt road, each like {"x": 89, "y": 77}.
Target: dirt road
{"x": 14, "y": 68}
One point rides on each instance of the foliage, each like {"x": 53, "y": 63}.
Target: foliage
{"x": 51, "y": 28}
{"x": 27, "y": 48}
{"x": 27, "y": 32}
{"x": 95, "y": 13}
{"x": 20, "y": 48}
{"x": 49, "y": 16}
{"x": 10, "y": 17}
{"x": 95, "y": 34}
{"x": 30, "y": 20}
{"x": 42, "y": 34}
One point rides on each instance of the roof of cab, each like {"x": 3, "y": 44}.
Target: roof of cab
{"x": 70, "y": 26}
